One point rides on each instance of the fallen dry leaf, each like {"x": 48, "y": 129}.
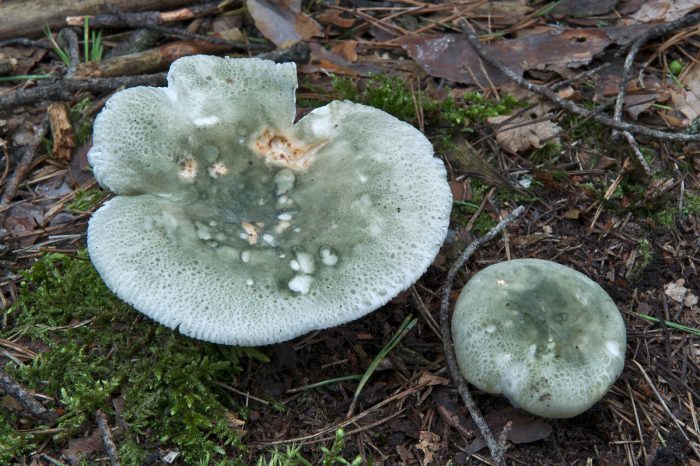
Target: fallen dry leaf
{"x": 583, "y": 8}
{"x": 451, "y": 56}
{"x": 502, "y": 13}
{"x": 335, "y": 18}
{"x": 687, "y": 100}
{"x": 525, "y": 427}
{"x": 662, "y": 11}
{"x": 282, "y": 21}
{"x": 680, "y": 294}
{"x": 521, "y": 133}
{"x": 81, "y": 449}
{"x": 428, "y": 443}
{"x": 346, "y": 49}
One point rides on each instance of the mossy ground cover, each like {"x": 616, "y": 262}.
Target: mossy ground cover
{"x": 96, "y": 349}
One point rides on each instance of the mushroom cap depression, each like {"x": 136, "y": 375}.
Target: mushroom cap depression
{"x": 236, "y": 225}
{"x": 544, "y": 335}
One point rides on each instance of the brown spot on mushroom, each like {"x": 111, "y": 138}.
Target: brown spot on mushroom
{"x": 251, "y": 231}
{"x": 279, "y": 150}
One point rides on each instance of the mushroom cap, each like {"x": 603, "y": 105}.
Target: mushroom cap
{"x": 544, "y": 335}
{"x": 238, "y": 226}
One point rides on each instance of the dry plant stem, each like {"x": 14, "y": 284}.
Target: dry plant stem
{"x": 64, "y": 90}
{"x": 25, "y": 162}
{"x": 495, "y": 448}
{"x": 110, "y": 447}
{"x": 10, "y": 386}
{"x": 565, "y": 104}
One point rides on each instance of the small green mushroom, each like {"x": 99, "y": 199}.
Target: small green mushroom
{"x": 544, "y": 335}
{"x": 236, "y": 225}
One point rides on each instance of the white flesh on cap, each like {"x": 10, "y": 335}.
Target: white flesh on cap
{"x": 219, "y": 192}
{"x": 544, "y": 335}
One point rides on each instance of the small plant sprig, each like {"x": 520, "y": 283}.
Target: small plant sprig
{"x": 92, "y": 44}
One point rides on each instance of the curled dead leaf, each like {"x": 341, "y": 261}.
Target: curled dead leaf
{"x": 525, "y": 131}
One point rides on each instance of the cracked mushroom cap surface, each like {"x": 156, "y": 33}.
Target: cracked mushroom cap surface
{"x": 236, "y": 225}
{"x": 547, "y": 337}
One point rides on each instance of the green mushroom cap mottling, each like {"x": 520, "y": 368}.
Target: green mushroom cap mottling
{"x": 237, "y": 225}
{"x": 546, "y": 336}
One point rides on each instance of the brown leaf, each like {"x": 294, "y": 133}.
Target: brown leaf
{"x": 282, "y": 21}
{"x": 520, "y": 134}
{"x": 583, "y": 8}
{"x": 525, "y": 427}
{"x": 83, "y": 448}
{"x": 661, "y": 11}
{"x": 346, "y": 50}
{"x": 335, "y": 18}
{"x": 428, "y": 443}
{"x": 451, "y": 56}
{"x": 504, "y": 12}
{"x": 687, "y": 100}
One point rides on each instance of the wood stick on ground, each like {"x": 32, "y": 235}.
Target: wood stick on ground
{"x": 148, "y": 61}
{"x": 566, "y": 104}
{"x": 10, "y": 386}
{"x": 23, "y": 18}
{"x": 495, "y": 448}
{"x": 64, "y": 90}
{"x": 25, "y": 162}
{"x": 70, "y": 41}
{"x": 110, "y": 447}
{"x": 147, "y": 17}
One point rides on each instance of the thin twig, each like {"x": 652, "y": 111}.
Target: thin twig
{"x": 70, "y": 41}
{"x": 182, "y": 34}
{"x": 64, "y": 90}
{"x": 24, "y": 163}
{"x": 566, "y": 104}
{"x": 24, "y": 42}
{"x": 494, "y": 447}
{"x": 148, "y": 17}
{"x": 110, "y": 447}
{"x": 10, "y": 386}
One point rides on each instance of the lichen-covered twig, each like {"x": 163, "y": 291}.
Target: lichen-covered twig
{"x": 10, "y": 386}
{"x": 567, "y": 104}
{"x": 110, "y": 447}
{"x": 495, "y": 447}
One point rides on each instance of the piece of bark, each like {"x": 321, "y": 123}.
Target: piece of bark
{"x": 28, "y": 18}
{"x": 62, "y": 131}
{"x": 154, "y": 59}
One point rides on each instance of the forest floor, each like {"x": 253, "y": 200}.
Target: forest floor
{"x": 89, "y": 380}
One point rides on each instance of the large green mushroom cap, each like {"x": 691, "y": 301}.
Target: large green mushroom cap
{"x": 236, "y": 225}
{"x": 546, "y": 336}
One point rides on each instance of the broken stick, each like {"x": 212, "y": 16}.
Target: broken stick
{"x": 496, "y": 448}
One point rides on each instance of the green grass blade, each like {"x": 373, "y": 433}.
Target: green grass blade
{"x": 670, "y": 324}
{"x": 408, "y": 323}
{"x": 21, "y": 77}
